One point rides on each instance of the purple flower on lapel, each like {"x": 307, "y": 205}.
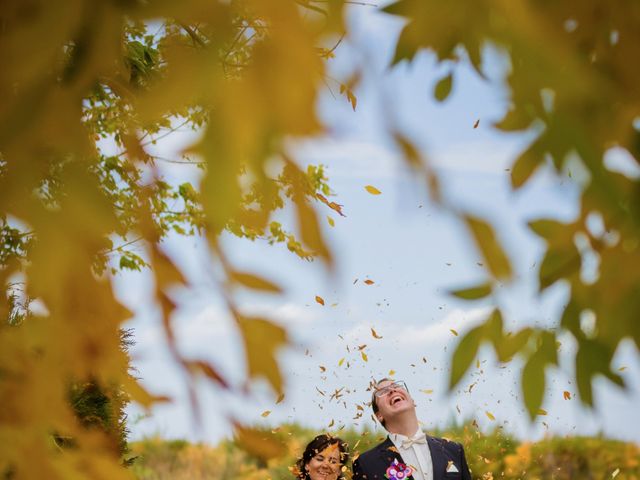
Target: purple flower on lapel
{"x": 398, "y": 471}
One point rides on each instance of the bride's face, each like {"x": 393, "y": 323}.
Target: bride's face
{"x": 325, "y": 465}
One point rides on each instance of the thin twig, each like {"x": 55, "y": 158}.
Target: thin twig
{"x": 179, "y": 162}
{"x": 119, "y": 247}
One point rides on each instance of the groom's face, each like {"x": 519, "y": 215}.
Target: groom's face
{"x": 391, "y": 400}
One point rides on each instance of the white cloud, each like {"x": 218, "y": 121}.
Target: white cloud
{"x": 289, "y": 314}
{"x": 433, "y": 333}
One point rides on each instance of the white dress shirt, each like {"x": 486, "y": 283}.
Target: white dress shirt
{"x": 415, "y": 453}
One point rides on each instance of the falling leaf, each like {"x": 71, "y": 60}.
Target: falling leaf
{"x": 375, "y": 335}
{"x": 280, "y": 398}
{"x": 453, "y": 331}
{"x": 391, "y": 373}
{"x": 372, "y": 190}
{"x": 331, "y": 423}
{"x": 320, "y": 300}
{"x": 362, "y": 347}
{"x": 615, "y": 473}
{"x": 369, "y": 282}
{"x": 341, "y": 362}
{"x": 428, "y": 392}
{"x": 475, "y": 125}
{"x": 364, "y": 356}
{"x": 490, "y": 415}
{"x": 622, "y": 369}
{"x": 265, "y": 413}
{"x": 322, "y": 368}
{"x": 331, "y": 222}
{"x": 567, "y": 395}
{"x": 424, "y": 359}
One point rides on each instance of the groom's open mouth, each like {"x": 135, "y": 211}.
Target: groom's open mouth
{"x": 395, "y": 398}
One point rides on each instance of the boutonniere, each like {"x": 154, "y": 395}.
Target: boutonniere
{"x": 398, "y": 471}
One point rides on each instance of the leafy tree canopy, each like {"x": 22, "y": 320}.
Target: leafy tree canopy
{"x": 246, "y": 75}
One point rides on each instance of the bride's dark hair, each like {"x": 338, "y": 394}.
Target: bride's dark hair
{"x": 316, "y": 446}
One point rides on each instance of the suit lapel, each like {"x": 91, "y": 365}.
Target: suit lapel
{"x": 387, "y": 452}
{"x": 437, "y": 457}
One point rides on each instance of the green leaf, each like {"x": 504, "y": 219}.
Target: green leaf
{"x": 491, "y": 250}
{"x": 571, "y": 319}
{"x": 465, "y": 353}
{"x": 130, "y": 261}
{"x": 526, "y": 165}
{"x": 187, "y": 192}
{"x": 443, "y": 88}
{"x": 546, "y": 228}
{"x": 512, "y": 344}
{"x": 593, "y": 357}
{"x": 533, "y": 384}
{"x": 559, "y": 263}
{"x": 548, "y": 347}
{"x": 515, "y": 120}
{"x": 473, "y": 293}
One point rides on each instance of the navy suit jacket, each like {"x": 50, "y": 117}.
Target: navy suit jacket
{"x": 373, "y": 464}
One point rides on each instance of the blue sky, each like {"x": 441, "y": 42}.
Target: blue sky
{"x": 411, "y": 250}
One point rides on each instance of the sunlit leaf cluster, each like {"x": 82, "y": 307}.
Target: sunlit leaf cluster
{"x": 88, "y": 90}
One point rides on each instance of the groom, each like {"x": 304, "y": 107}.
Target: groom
{"x": 407, "y": 453}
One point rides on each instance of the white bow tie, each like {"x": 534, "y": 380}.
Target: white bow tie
{"x": 418, "y": 438}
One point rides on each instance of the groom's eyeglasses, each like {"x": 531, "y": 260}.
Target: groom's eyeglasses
{"x": 388, "y": 388}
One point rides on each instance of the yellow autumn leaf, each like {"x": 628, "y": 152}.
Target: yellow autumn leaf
{"x": 265, "y": 414}
{"x": 280, "y": 398}
{"x": 391, "y": 373}
{"x": 364, "y": 356}
{"x": 455, "y": 333}
{"x": 375, "y": 334}
{"x": 369, "y": 281}
{"x": 259, "y": 443}
{"x": 372, "y": 190}
{"x": 340, "y": 362}
{"x": 566, "y": 395}
{"x": 428, "y": 392}
{"x": 319, "y": 300}
{"x": 489, "y": 415}
{"x": 262, "y": 339}
{"x": 542, "y": 411}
